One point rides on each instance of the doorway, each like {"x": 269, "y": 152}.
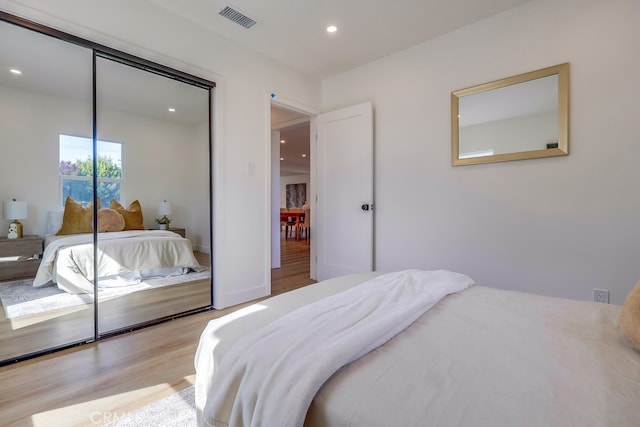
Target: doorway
{"x": 291, "y": 189}
{"x": 341, "y": 187}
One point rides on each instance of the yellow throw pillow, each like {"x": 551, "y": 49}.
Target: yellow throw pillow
{"x": 132, "y": 214}
{"x": 110, "y": 220}
{"x": 630, "y": 316}
{"x": 76, "y": 218}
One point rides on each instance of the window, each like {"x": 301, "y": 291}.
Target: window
{"x": 76, "y": 169}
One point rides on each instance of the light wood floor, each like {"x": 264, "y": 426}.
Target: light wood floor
{"x": 58, "y": 327}
{"x": 100, "y": 382}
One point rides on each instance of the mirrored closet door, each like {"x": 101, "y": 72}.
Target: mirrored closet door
{"x": 153, "y": 172}
{"x": 106, "y": 176}
{"x": 45, "y": 94}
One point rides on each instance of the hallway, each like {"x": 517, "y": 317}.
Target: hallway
{"x": 294, "y": 270}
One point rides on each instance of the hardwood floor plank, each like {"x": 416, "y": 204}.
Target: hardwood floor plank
{"x": 99, "y": 382}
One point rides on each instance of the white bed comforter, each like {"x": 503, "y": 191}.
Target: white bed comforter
{"x": 68, "y": 260}
{"x": 482, "y": 357}
{"x": 266, "y": 378}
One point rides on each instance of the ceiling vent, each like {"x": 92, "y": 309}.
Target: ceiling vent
{"x": 237, "y": 17}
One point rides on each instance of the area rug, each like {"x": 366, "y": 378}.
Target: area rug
{"x": 20, "y": 298}
{"x": 176, "y": 410}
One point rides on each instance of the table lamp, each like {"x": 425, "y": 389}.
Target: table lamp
{"x": 14, "y": 210}
{"x": 164, "y": 209}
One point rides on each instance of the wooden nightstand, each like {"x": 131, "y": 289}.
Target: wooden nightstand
{"x": 20, "y": 258}
{"x": 180, "y": 231}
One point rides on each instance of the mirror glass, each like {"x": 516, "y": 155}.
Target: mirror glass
{"x": 88, "y": 263}
{"x": 520, "y": 117}
{"x": 48, "y": 94}
{"x": 153, "y": 151}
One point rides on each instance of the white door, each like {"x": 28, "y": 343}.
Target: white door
{"x": 344, "y": 205}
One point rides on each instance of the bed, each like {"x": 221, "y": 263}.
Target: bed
{"x": 124, "y": 258}
{"x": 480, "y": 356}
{"x": 127, "y": 253}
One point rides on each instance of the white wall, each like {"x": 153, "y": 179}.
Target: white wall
{"x": 524, "y": 133}
{"x": 558, "y": 226}
{"x": 197, "y": 205}
{"x": 241, "y": 271}
{"x": 163, "y": 161}
{"x": 30, "y": 125}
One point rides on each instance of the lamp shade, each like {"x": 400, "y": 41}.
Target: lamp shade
{"x": 164, "y": 208}
{"x": 54, "y": 221}
{"x": 14, "y": 209}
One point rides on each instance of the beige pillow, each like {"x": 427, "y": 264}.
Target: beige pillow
{"x": 132, "y": 214}
{"x": 76, "y": 218}
{"x": 630, "y": 316}
{"x": 109, "y": 220}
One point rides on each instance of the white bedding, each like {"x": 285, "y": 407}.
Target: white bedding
{"x": 481, "y": 357}
{"x": 124, "y": 258}
{"x": 271, "y": 365}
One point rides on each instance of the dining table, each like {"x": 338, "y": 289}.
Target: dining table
{"x": 284, "y": 216}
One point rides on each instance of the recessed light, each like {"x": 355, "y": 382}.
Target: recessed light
{"x": 282, "y": 141}
{"x": 172, "y": 110}
{"x": 15, "y": 71}
{"x": 281, "y": 158}
{"x": 332, "y": 29}
{"x": 304, "y": 155}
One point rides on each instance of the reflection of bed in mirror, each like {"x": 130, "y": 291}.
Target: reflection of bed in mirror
{"x": 329, "y": 355}
{"x": 124, "y": 258}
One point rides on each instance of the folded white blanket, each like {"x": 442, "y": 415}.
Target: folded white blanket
{"x": 271, "y": 375}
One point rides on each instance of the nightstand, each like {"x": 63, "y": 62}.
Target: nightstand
{"x": 180, "y": 231}
{"x": 20, "y": 258}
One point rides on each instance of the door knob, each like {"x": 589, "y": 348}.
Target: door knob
{"x": 365, "y": 207}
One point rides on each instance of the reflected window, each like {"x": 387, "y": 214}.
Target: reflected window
{"x": 76, "y": 169}
{"x": 472, "y": 154}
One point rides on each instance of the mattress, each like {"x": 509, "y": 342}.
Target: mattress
{"x": 482, "y": 357}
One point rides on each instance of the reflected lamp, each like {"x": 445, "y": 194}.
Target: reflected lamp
{"x": 164, "y": 210}
{"x": 14, "y": 210}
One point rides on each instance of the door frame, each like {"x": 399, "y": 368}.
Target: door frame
{"x": 273, "y": 99}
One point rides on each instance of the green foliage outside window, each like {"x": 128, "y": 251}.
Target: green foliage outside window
{"x": 106, "y": 167}
{"x": 82, "y": 190}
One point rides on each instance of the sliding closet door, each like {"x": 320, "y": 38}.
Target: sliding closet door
{"x": 46, "y": 106}
{"x": 153, "y": 145}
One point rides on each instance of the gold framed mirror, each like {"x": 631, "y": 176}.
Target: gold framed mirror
{"x": 516, "y": 118}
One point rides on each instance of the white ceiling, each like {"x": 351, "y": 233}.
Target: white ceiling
{"x": 518, "y": 100}
{"x": 295, "y": 132}
{"x": 292, "y": 32}
{"x": 59, "y": 69}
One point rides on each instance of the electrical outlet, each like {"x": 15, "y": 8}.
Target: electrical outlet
{"x": 601, "y": 295}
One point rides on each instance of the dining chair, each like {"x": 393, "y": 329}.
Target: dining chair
{"x": 305, "y": 224}
{"x": 293, "y": 219}
{"x": 284, "y": 223}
